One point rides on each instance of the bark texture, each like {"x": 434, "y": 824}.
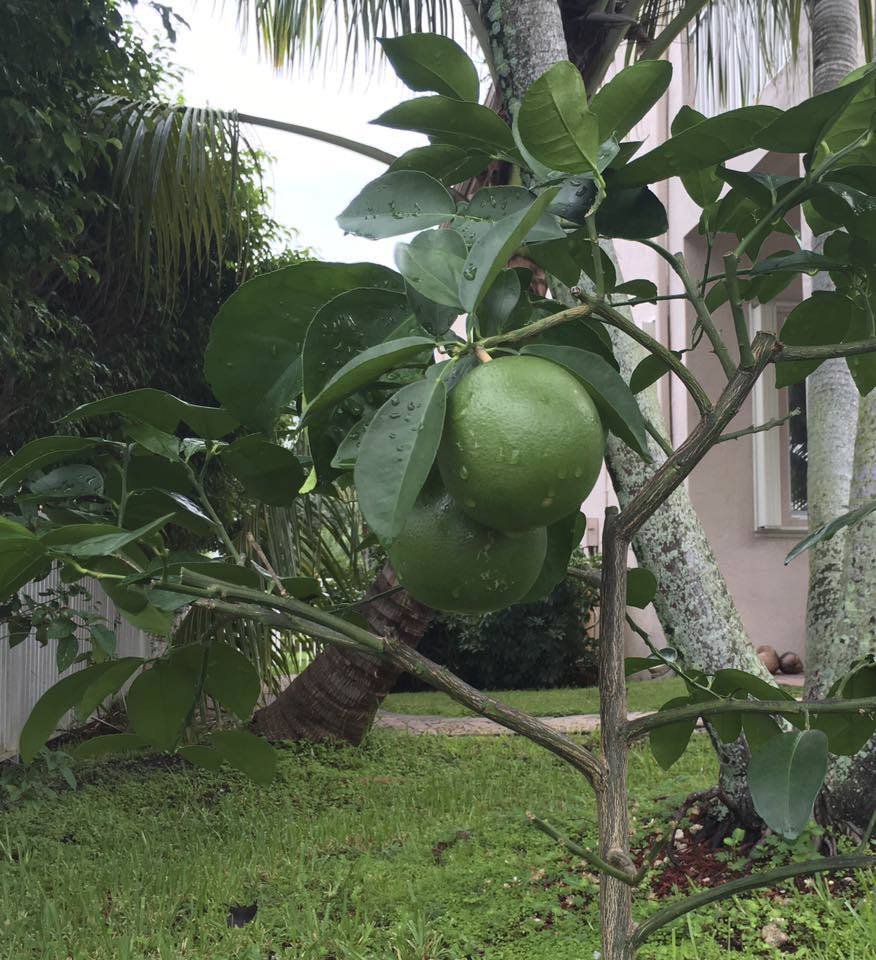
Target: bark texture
{"x": 337, "y": 696}
{"x": 831, "y": 396}
{"x": 852, "y": 780}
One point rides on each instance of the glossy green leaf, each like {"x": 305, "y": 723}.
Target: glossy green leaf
{"x": 622, "y": 102}
{"x": 802, "y": 127}
{"x": 505, "y": 307}
{"x": 250, "y": 754}
{"x": 232, "y": 680}
{"x": 831, "y": 528}
{"x": 84, "y": 540}
{"x": 269, "y": 473}
{"x": 641, "y": 587}
{"x": 432, "y": 264}
{"x": 848, "y": 733}
{"x": 703, "y": 144}
{"x": 201, "y": 756}
{"x": 562, "y": 539}
{"x": 555, "y": 122}
{"x": 443, "y": 161}
{"x": 648, "y": 371}
{"x": 70, "y": 480}
{"x": 108, "y": 743}
{"x": 669, "y": 743}
{"x": 491, "y": 253}
{"x": 431, "y": 316}
{"x": 159, "y": 702}
{"x": 134, "y": 605}
{"x": 631, "y": 214}
{"x": 348, "y": 449}
{"x": 731, "y": 682}
{"x": 430, "y": 61}
{"x": 161, "y": 410}
{"x": 575, "y": 199}
{"x": 823, "y": 318}
{"x": 262, "y": 327}
{"x": 367, "y": 367}
{"x": 397, "y": 203}
{"x": 491, "y": 204}
{"x": 39, "y": 453}
{"x": 51, "y": 706}
{"x": 801, "y": 261}
{"x": 397, "y": 453}
{"x": 784, "y": 777}
{"x": 862, "y": 367}
{"x": 105, "y": 684}
{"x": 612, "y": 396}
{"x": 22, "y": 557}
{"x": 589, "y": 335}
{"x": 463, "y": 124}
{"x": 346, "y": 326}
{"x": 638, "y": 289}
{"x": 758, "y": 728}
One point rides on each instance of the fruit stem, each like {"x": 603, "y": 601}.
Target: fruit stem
{"x": 482, "y": 354}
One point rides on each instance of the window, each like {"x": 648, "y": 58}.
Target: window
{"x": 780, "y": 454}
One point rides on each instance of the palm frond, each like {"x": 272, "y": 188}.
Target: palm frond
{"x": 176, "y": 190}
{"x": 290, "y": 31}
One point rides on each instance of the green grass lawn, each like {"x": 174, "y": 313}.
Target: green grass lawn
{"x": 405, "y": 849}
{"x": 643, "y": 695}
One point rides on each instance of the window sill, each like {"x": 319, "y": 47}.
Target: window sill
{"x": 782, "y": 533}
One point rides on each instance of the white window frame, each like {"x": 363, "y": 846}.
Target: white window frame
{"x": 768, "y": 445}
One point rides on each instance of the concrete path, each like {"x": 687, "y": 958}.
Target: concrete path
{"x": 479, "y": 726}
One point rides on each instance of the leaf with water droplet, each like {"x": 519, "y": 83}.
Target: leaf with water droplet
{"x": 490, "y": 254}
{"x": 397, "y": 203}
{"x": 387, "y": 479}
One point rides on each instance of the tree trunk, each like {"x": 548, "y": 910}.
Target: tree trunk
{"x": 831, "y": 396}
{"x": 337, "y": 696}
{"x": 852, "y": 780}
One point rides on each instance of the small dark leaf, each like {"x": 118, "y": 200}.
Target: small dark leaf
{"x": 828, "y": 530}
{"x": 268, "y": 472}
{"x": 669, "y": 743}
{"x": 159, "y": 702}
{"x": 631, "y": 214}
{"x": 253, "y": 756}
{"x": 649, "y": 371}
{"x": 71, "y": 480}
{"x": 232, "y": 680}
{"x": 641, "y": 587}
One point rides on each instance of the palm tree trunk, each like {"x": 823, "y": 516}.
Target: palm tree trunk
{"x": 852, "y": 780}
{"x": 841, "y": 623}
{"x": 337, "y": 696}
{"x": 831, "y": 396}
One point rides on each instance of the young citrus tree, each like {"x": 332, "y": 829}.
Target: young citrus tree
{"x": 471, "y": 455}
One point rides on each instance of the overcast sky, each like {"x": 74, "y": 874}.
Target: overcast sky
{"x": 311, "y": 182}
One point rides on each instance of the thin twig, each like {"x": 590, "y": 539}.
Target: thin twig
{"x": 585, "y": 853}
{"x": 760, "y": 428}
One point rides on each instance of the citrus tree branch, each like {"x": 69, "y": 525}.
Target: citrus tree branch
{"x": 585, "y": 853}
{"x": 534, "y": 329}
{"x": 614, "y": 318}
{"x": 288, "y": 613}
{"x": 854, "y": 348}
{"x": 760, "y": 428}
{"x": 704, "y": 316}
{"x": 676, "y": 468}
{"x": 634, "y": 729}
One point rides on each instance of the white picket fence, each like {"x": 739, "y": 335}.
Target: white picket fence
{"x": 28, "y": 670}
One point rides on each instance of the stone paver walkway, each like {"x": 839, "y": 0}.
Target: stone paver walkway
{"x": 480, "y": 726}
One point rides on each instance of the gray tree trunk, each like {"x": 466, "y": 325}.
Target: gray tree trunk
{"x": 852, "y": 780}
{"x": 831, "y": 396}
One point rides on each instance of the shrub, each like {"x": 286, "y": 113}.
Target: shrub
{"x": 529, "y": 645}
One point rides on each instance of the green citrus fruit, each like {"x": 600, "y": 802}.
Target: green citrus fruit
{"x": 449, "y": 562}
{"x": 522, "y": 445}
